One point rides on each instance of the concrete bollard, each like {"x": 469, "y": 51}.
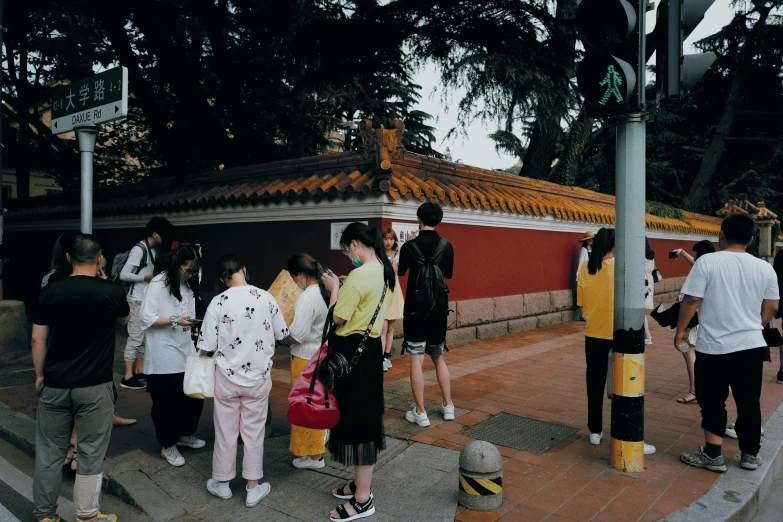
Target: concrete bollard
{"x": 13, "y": 331}
{"x": 480, "y": 477}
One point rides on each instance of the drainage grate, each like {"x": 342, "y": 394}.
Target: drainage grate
{"x": 513, "y": 431}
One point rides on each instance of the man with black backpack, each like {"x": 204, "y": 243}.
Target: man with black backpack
{"x": 136, "y": 269}
{"x": 430, "y": 259}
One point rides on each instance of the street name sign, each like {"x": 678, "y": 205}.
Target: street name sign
{"x": 89, "y": 101}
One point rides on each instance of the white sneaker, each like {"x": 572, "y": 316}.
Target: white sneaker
{"x": 173, "y": 456}
{"x": 731, "y": 432}
{"x": 595, "y": 438}
{"x": 386, "y": 365}
{"x": 389, "y": 363}
{"x": 417, "y": 418}
{"x": 219, "y": 489}
{"x": 308, "y": 463}
{"x": 255, "y": 495}
{"x": 191, "y": 442}
{"x": 447, "y": 411}
{"x": 648, "y": 449}
{"x": 648, "y": 341}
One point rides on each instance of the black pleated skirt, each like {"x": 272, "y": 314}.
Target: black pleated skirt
{"x": 359, "y": 436}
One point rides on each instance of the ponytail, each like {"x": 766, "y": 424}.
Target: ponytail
{"x": 306, "y": 264}
{"x": 228, "y": 265}
{"x": 372, "y": 238}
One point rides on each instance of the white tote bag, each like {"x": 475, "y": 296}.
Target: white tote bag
{"x": 199, "y": 376}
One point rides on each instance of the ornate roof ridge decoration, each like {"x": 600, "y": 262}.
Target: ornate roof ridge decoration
{"x": 743, "y": 206}
{"x": 385, "y": 146}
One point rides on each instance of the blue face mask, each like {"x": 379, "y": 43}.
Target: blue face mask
{"x": 301, "y": 286}
{"x": 356, "y": 261}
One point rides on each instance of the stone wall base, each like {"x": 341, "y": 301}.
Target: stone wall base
{"x": 494, "y": 317}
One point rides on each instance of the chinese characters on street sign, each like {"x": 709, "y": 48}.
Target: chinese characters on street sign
{"x": 89, "y": 101}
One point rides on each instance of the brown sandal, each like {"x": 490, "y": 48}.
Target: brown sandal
{"x": 682, "y": 400}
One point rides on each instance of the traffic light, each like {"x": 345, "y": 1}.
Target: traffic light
{"x": 611, "y": 75}
{"x": 675, "y": 74}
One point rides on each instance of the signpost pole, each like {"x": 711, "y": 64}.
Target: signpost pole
{"x": 627, "y": 445}
{"x": 86, "y": 136}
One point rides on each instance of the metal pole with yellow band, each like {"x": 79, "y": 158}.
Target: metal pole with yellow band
{"x": 627, "y": 446}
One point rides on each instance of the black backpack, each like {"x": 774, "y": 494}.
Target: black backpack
{"x": 432, "y": 294}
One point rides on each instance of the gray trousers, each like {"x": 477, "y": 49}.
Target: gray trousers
{"x": 59, "y": 409}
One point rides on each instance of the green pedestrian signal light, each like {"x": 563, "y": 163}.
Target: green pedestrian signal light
{"x": 611, "y": 81}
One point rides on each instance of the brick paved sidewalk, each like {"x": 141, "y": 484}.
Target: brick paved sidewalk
{"x": 537, "y": 374}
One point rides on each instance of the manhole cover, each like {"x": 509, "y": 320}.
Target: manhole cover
{"x": 513, "y": 431}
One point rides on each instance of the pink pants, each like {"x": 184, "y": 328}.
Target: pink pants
{"x": 239, "y": 410}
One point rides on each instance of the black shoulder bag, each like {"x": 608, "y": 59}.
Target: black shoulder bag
{"x": 336, "y": 365}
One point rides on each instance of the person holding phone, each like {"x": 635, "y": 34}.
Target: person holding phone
{"x": 166, "y": 312}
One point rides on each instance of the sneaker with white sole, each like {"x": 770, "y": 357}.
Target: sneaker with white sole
{"x": 420, "y": 419}
{"x": 595, "y": 438}
{"x": 648, "y": 341}
{"x": 308, "y": 463}
{"x": 731, "y": 431}
{"x": 750, "y": 462}
{"x": 386, "y": 365}
{"x": 173, "y": 456}
{"x": 389, "y": 363}
{"x": 190, "y": 441}
{"x": 257, "y": 494}
{"x": 102, "y": 517}
{"x": 701, "y": 460}
{"x": 447, "y": 412}
{"x": 649, "y": 449}
{"x": 219, "y": 489}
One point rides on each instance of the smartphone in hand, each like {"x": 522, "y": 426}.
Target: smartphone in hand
{"x": 673, "y": 254}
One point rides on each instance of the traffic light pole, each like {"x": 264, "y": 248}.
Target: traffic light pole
{"x": 627, "y": 445}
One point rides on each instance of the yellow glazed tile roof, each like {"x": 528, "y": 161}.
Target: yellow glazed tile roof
{"x": 354, "y": 175}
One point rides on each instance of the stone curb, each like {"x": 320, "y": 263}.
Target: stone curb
{"x": 738, "y": 494}
{"x": 19, "y": 430}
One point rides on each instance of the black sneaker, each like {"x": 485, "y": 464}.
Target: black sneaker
{"x": 780, "y": 376}
{"x": 134, "y": 383}
{"x": 142, "y": 378}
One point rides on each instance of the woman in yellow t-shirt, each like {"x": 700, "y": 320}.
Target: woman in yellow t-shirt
{"x": 358, "y": 437}
{"x": 595, "y": 294}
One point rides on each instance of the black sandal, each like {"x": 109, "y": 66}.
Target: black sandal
{"x": 341, "y": 492}
{"x": 362, "y": 510}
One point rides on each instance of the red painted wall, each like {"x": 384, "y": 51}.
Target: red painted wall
{"x": 489, "y": 262}
{"x": 492, "y": 262}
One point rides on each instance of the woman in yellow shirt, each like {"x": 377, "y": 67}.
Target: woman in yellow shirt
{"x": 595, "y": 294}
{"x": 358, "y": 437}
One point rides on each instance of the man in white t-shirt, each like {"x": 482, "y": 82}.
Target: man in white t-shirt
{"x": 735, "y": 294}
{"x": 139, "y": 271}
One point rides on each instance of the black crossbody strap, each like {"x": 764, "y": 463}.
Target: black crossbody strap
{"x": 360, "y": 348}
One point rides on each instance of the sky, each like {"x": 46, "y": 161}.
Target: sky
{"x": 476, "y": 149}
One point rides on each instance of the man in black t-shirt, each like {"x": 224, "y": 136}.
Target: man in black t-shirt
{"x": 426, "y": 333}
{"x": 73, "y": 354}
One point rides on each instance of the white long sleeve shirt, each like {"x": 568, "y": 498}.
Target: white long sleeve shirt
{"x": 167, "y": 347}
{"x": 129, "y": 274}
{"x": 308, "y": 325}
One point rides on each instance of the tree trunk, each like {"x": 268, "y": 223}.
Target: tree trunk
{"x": 547, "y": 131}
{"x": 699, "y": 194}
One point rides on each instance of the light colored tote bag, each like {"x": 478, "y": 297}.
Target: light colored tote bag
{"x": 199, "y": 376}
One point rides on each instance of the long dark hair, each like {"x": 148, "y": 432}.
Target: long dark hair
{"x": 306, "y": 264}
{"x": 227, "y": 266}
{"x": 649, "y": 253}
{"x": 603, "y": 243}
{"x": 179, "y": 257}
{"x": 370, "y": 237}
{"x": 705, "y": 246}
{"x": 58, "y": 264}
